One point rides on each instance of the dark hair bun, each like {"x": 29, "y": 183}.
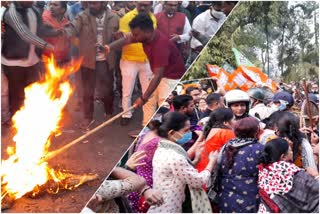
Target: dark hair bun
{"x": 265, "y": 158}
{"x": 273, "y": 151}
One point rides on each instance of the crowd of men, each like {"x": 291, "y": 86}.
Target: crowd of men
{"x": 165, "y": 38}
{"x": 236, "y": 139}
{"x": 245, "y": 151}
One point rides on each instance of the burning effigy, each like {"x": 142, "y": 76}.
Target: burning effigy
{"x": 26, "y": 171}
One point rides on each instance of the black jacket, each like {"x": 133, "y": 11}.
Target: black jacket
{"x": 14, "y": 46}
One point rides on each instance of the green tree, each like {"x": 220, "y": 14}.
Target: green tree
{"x": 302, "y": 54}
{"x": 258, "y": 28}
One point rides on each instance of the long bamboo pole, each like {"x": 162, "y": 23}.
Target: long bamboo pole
{"x": 52, "y": 154}
{"x": 306, "y": 92}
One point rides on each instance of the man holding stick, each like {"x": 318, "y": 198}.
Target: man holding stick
{"x": 95, "y": 27}
{"x": 165, "y": 59}
{"x": 134, "y": 62}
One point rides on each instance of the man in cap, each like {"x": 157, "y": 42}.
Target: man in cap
{"x": 258, "y": 109}
{"x": 282, "y": 101}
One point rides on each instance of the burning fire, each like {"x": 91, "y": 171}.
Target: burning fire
{"x": 34, "y": 124}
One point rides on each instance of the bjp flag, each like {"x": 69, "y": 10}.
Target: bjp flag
{"x": 257, "y": 76}
{"x": 240, "y": 80}
{"x": 222, "y": 76}
{"x": 213, "y": 70}
{"x": 225, "y": 80}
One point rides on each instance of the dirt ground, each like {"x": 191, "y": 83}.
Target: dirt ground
{"x": 97, "y": 154}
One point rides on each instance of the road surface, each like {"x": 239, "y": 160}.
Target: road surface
{"x": 97, "y": 154}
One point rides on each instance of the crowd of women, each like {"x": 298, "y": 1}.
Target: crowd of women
{"x": 246, "y": 153}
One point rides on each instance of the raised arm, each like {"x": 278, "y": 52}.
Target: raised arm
{"x": 74, "y": 28}
{"x": 118, "y": 44}
{"x": 126, "y": 182}
{"x": 14, "y": 20}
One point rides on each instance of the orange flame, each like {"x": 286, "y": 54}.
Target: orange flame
{"x": 34, "y": 125}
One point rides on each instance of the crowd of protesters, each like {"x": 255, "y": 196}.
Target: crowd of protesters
{"x": 118, "y": 41}
{"x": 236, "y": 152}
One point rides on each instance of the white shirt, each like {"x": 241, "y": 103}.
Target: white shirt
{"x": 2, "y": 11}
{"x": 100, "y": 55}
{"x": 262, "y": 110}
{"x": 205, "y": 24}
{"x": 158, "y": 8}
{"x": 185, "y": 37}
{"x": 32, "y": 56}
{"x": 171, "y": 173}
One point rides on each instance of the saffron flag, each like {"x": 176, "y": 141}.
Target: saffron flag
{"x": 213, "y": 70}
{"x": 222, "y": 76}
{"x": 255, "y": 75}
{"x": 240, "y": 80}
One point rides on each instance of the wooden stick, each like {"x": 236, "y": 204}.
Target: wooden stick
{"x": 298, "y": 94}
{"x": 308, "y": 103}
{"x": 52, "y": 154}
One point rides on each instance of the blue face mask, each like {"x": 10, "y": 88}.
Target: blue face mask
{"x": 185, "y": 138}
{"x": 283, "y": 105}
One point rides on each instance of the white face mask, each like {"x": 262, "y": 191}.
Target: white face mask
{"x": 217, "y": 14}
{"x": 281, "y": 107}
{"x": 274, "y": 107}
{"x": 185, "y": 4}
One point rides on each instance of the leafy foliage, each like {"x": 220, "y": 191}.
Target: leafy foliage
{"x": 276, "y": 36}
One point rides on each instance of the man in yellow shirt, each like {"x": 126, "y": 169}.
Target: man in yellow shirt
{"x": 135, "y": 62}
